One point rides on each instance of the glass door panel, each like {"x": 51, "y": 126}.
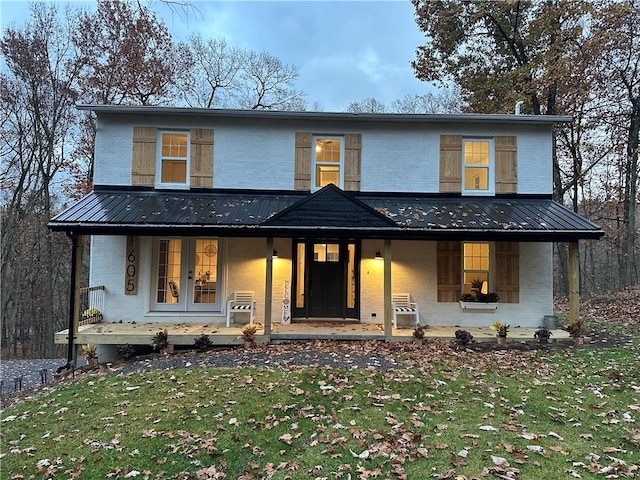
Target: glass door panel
{"x": 169, "y": 271}
{"x": 205, "y": 277}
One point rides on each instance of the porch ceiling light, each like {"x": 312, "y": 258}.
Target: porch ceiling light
{"x": 378, "y": 255}
{"x": 275, "y": 253}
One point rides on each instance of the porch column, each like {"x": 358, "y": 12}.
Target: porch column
{"x": 74, "y": 295}
{"x": 574, "y": 281}
{"x": 268, "y": 287}
{"x": 388, "y": 314}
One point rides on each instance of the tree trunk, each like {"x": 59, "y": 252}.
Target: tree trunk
{"x": 630, "y": 201}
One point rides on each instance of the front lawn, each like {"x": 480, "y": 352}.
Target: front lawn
{"x": 448, "y": 413}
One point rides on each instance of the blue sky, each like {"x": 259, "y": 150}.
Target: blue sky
{"x": 346, "y": 51}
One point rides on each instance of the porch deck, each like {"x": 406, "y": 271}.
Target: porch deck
{"x": 183, "y": 334}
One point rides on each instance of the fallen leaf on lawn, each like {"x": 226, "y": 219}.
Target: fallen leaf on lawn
{"x": 286, "y": 438}
{"x": 488, "y": 428}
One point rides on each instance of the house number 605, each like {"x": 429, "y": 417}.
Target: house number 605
{"x": 131, "y": 267}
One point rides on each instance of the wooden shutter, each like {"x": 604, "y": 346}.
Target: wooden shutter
{"x": 507, "y": 271}
{"x": 450, "y": 163}
{"x": 449, "y": 265}
{"x": 302, "y": 168}
{"x": 201, "y": 174}
{"x": 506, "y": 151}
{"x": 352, "y": 161}
{"x": 143, "y": 165}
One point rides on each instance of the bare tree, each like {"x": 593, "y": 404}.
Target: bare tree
{"x": 445, "y": 100}
{"x": 267, "y": 83}
{"x": 214, "y": 73}
{"x": 368, "y": 105}
{"x": 38, "y": 103}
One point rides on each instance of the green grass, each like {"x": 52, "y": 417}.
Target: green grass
{"x": 449, "y": 413}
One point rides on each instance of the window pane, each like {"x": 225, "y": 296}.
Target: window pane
{"x": 174, "y": 145}
{"x": 476, "y": 178}
{"x": 476, "y": 153}
{"x": 328, "y": 150}
{"x": 168, "y": 290}
{"x": 206, "y": 270}
{"x": 174, "y": 171}
{"x": 323, "y": 252}
{"x": 351, "y": 277}
{"x": 326, "y": 174}
{"x": 300, "y": 276}
{"x": 476, "y": 265}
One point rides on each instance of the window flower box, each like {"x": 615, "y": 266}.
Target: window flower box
{"x": 488, "y": 306}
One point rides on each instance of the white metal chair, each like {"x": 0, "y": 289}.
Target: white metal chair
{"x": 242, "y": 302}
{"x": 402, "y": 305}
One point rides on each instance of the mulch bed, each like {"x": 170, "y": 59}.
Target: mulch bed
{"x": 321, "y": 354}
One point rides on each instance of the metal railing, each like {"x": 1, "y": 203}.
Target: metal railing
{"x": 91, "y": 304}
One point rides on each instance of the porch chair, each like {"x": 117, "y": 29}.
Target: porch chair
{"x": 402, "y": 305}
{"x": 241, "y": 302}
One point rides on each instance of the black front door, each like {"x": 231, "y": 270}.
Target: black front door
{"x": 327, "y": 279}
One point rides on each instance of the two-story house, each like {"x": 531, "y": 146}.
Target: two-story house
{"x": 333, "y": 212}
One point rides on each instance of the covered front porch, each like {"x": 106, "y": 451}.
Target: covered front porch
{"x": 184, "y": 334}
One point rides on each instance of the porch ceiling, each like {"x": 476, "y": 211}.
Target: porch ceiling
{"x": 328, "y": 212}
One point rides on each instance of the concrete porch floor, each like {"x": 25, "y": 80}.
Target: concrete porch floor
{"x": 184, "y": 333}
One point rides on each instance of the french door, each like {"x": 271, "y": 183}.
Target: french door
{"x": 187, "y": 273}
{"x": 326, "y": 279}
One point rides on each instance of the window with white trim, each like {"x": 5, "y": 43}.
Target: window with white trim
{"x": 173, "y": 159}
{"x": 476, "y": 266}
{"x": 477, "y": 167}
{"x": 328, "y": 161}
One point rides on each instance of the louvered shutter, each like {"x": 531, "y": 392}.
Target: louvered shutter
{"x": 506, "y": 160}
{"x": 507, "y": 271}
{"x": 143, "y": 164}
{"x": 450, "y": 163}
{"x": 449, "y": 264}
{"x": 201, "y": 157}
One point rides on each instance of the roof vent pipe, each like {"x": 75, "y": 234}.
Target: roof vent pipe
{"x": 518, "y": 103}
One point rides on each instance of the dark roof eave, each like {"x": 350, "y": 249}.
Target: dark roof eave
{"x": 283, "y": 231}
{"x": 324, "y": 116}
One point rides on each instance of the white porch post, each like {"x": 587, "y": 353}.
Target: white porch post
{"x": 388, "y": 314}
{"x": 574, "y": 281}
{"x": 268, "y": 287}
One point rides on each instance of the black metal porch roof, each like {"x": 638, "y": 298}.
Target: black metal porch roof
{"x": 328, "y": 212}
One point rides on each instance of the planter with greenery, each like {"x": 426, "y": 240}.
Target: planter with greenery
{"x": 418, "y": 334}
{"x": 248, "y": 335}
{"x": 478, "y": 300}
{"x": 576, "y": 330}
{"x": 502, "y": 329}
{"x": 125, "y": 351}
{"x": 542, "y": 335}
{"x": 91, "y": 315}
{"x": 202, "y": 343}
{"x": 160, "y": 342}
{"x": 463, "y": 337}
{"x": 91, "y": 354}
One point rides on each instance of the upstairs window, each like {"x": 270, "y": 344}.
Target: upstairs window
{"x": 328, "y": 165}
{"x": 173, "y": 161}
{"x": 477, "y": 171}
